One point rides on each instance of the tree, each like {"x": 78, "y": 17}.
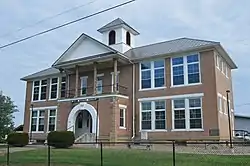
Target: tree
{"x": 7, "y": 108}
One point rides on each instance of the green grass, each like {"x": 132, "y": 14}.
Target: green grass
{"x": 91, "y": 157}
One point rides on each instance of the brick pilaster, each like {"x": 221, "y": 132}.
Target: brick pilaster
{"x": 113, "y": 133}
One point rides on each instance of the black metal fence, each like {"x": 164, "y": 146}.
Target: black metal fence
{"x": 166, "y": 153}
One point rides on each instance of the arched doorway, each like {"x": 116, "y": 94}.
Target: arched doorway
{"x": 83, "y": 123}
{"x": 83, "y": 119}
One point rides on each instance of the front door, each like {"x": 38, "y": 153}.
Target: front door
{"x": 83, "y": 123}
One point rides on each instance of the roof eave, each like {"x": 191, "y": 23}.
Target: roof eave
{"x": 29, "y": 78}
{"x": 133, "y": 31}
{"x": 221, "y": 50}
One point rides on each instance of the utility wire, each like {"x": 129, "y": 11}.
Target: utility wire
{"x": 47, "y": 18}
{"x": 66, "y": 24}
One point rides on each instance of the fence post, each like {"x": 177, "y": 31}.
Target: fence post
{"x": 101, "y": 155}
{"x": 8, "y": 155}
{"x": 173, "y": 153}
{"x": 48, "y": 155}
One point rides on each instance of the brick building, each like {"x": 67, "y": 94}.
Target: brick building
{"x": 115, "y": 91}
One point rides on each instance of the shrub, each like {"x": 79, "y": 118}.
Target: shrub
{"x": 61, "y": 139}
{"x": 18, "y": 139}
{"x": 181, "y": 142}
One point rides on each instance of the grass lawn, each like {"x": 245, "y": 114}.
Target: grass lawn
{"x": 112, "y": 157}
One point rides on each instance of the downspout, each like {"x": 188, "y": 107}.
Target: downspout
{"x": 133, "y": 102}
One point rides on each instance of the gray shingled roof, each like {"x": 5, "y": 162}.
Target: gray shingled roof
{"x": 157, "y": 49}
{"x": 114, "y": 24}
{"x": 46, "y": 72}
{"x": 168, "y": 47}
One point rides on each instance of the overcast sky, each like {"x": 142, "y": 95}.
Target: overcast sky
{"x": 226, "y": 21}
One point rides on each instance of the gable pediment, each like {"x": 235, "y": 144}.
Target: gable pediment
{"x": 83, "y": 47}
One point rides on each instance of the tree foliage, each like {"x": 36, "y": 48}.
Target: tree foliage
{"x": 7, "y": 108}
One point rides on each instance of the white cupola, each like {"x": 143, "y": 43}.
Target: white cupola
{"x": 119, "y": 35}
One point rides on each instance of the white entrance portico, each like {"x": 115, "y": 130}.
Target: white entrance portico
{"x": 83, "y": 121}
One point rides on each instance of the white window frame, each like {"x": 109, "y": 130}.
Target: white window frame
{"x": 101, "y": 80}
{"x": 38, "y": 117}
{"x": 185, "y": 68}
{"x": 124, "y": 108}
{"x": 51, "y": 84}
{"x": 152, "y": 68}
{"x": 48, "y": 120}
{"x": 86, "y": 79}
{"x": 225, "y": 105}
{"x": 220, "y": 104}
{"x": 152, "y": 111}
{"x": 187, "y": 115}
{"x": 40, "y": 90}
{"x": 112, "y": 81}
{"x": 63, "y": 82}
{"x": 226, "y": 70}
{"x": 218, "y": 61}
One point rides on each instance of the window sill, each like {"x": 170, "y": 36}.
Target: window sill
{"x": 151, "y": 89}
{"x": 53, "y": 99}
{"x": 36, "y": 101}
{"x": 187, "y": 130}
{"x": 124, "y": 128}
{"x": 187, "y": 85}
{"x": 36, "y": 132}
{"x": 159, "y": 130}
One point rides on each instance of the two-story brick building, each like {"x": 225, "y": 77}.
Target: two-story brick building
{"x": 112, "y": 90}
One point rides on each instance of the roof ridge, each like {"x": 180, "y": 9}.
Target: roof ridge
{"x": 158, "y": 43}
{"x": 173, "y": 40}
{"x": 200, "y": 40}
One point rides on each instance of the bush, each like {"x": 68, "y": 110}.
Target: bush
{"x": 18, "y": 139}
{"x": 181, "y": 142}
{"x": 61, "y": 139}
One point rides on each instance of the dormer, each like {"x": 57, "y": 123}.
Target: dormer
{"x": 119, "y": 35}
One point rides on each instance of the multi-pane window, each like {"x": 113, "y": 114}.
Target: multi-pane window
{"x": 179, "y": 114}
{"x": 187, "y": 114}
{"x": 37, "y": 120}
{"x": 217, "y": 61}
{"x": 221, "y": 64}
{"x": 53, "y": 88}
{"x": 43, "y": 89}
{"x": 52, "y": 120}
{"x": 152, "y": 74}
{"x": 63, "y": 87}
{"x": 160, "y": 115}
{"x": 185, "y": 70}
{"x": 36, "y": 90}
{"x": 99, "y": 85}
{"x": 39, "y": 90}
{"x": 153, "y": 115}
{"x": 178, "y": 71}
{"x": 122, "y": 117}
{"x": 193, "y": 69}
{"x": 84, "y": 85}
{"x": 226, "y": 71}
{"x": 195, "y": 113}
{"x": 220, "y": 103}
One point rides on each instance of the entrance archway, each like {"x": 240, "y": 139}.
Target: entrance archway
{"x": 81, "y": 107}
